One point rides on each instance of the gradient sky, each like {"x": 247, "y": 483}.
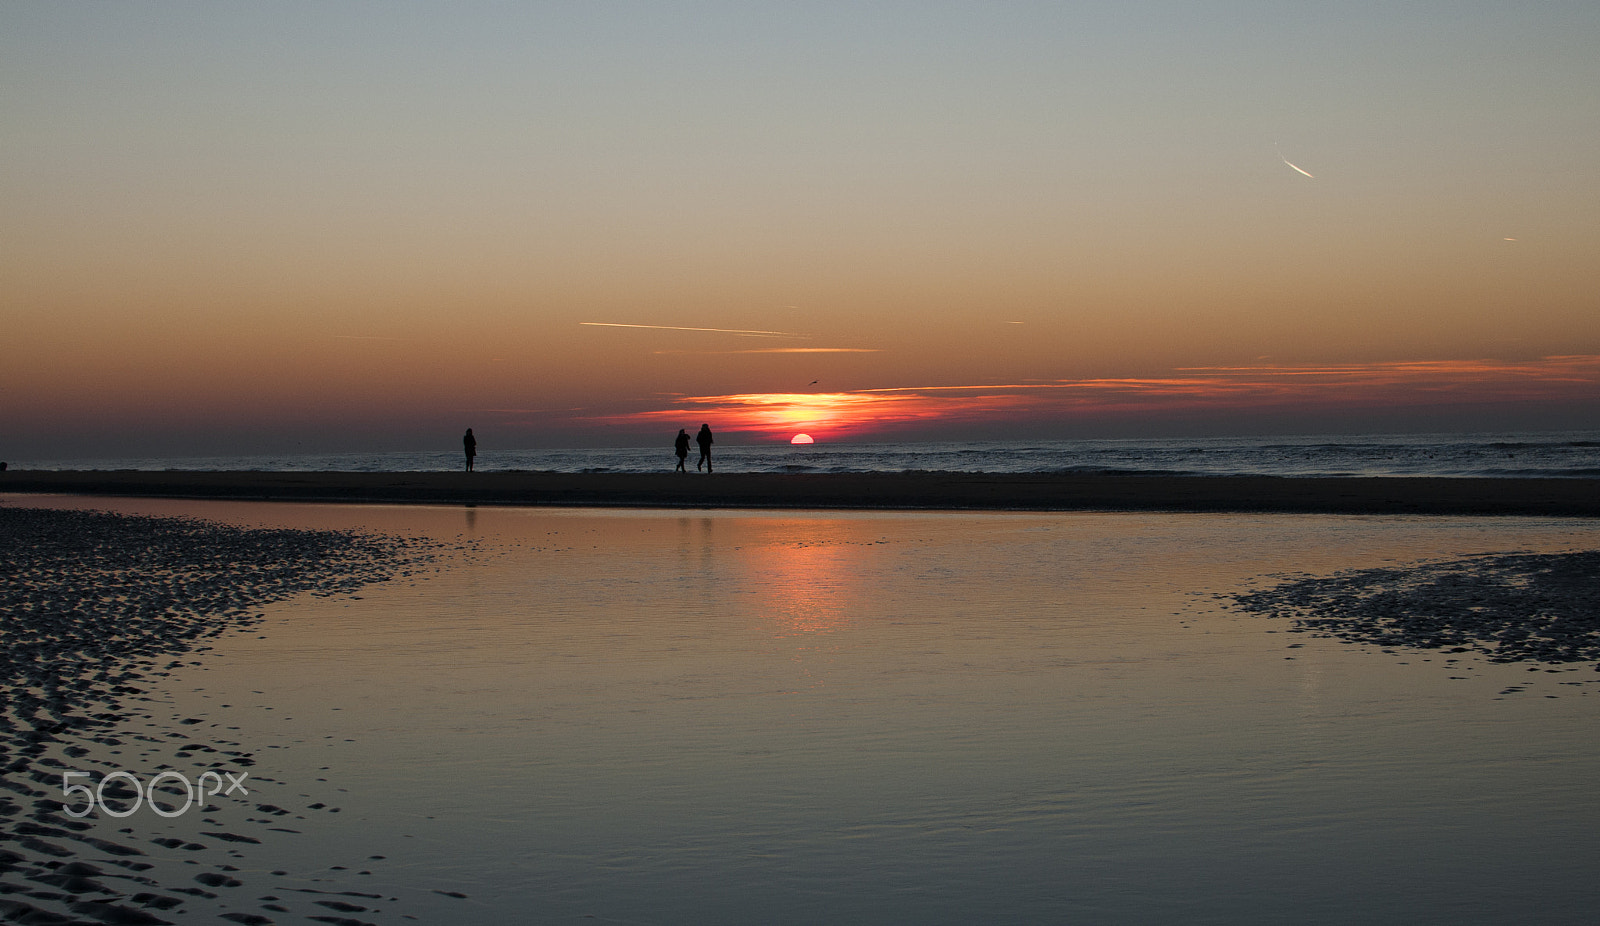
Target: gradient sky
{"x": 236, "y": 227}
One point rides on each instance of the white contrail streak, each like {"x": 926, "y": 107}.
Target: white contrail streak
{"x": 1292, "y": 164}
{"x": 1297, "y": 167}
{"x": 746, "y": 331}
{"x": 783, "y": 350}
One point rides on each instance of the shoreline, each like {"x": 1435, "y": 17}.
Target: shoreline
{"x": 1550, "y": 497}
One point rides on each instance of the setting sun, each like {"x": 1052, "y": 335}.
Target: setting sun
{"x": 801, "y": 439}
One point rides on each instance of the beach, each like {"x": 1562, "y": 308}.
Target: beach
{"x": 862, "y": 491}
{"x": 99, "y": 612}
{"x": 1146, "y": 464}
{"x": 505, "y": 713}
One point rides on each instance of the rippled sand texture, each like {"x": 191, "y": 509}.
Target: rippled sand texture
{"x": 1523, "y": 607}
{"x": 97, "y": 608}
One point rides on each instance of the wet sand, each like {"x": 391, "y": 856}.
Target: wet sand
{"x": 104, "y": 612}
{"x": 98, "y": 609}
{"x": 1509, "y": 607}
{"x": 861, "y": 491}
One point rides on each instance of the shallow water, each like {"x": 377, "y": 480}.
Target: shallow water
{"x": 669, "y": 717}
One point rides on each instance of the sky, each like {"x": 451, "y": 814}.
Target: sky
{"x": 238, "y": 228}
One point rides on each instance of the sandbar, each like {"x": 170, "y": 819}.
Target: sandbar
{"x": 862, "y": 491}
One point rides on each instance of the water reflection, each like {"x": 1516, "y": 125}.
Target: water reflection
{"x": 742, "y": 718}
{"x": 807, "y": 586}
{"x": 791, "y": 586}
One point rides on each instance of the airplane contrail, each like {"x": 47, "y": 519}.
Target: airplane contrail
{"x": 783, "y": 350}
{"x": 748, "y": 331}
{"x": 1292, "y": 164}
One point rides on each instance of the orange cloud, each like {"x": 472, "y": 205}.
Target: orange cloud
{"x": 1345, "y": 386}
{"x": 782, "y": 414}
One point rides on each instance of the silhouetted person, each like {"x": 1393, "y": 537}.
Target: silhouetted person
{"x": 704, "y": 440}
{"x": 470, "y": 445}
{"x": 681, "y": 448}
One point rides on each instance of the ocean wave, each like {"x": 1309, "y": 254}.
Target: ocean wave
{"x": 1572, "y": 454}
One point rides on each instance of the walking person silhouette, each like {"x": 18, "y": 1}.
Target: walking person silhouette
{"x": 704, "y": 440}
{"x": 470, "y": 445}
{"x": 681, "y": 448}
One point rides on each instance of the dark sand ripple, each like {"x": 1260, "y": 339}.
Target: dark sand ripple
{"x": 93, "y": 606}
{"x": 1509, "y": 607}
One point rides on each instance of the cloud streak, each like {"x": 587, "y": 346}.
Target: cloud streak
{"x": 742, "y": 332}
{"x": 1310, "y": 388}
{"x": 781, "y": 350}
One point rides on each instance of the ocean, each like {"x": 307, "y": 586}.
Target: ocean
{"x": 1561, "y": 454}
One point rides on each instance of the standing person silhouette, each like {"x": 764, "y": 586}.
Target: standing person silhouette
{"x": 470, "y": 445}
{"x": 704, "y": 440}
{"x": 681, "y": 448}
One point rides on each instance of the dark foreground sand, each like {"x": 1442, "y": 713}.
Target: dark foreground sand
{"x": 94, "y": 608}
{"x": 1508, "y": 607}
{"x": 932, "y": 491}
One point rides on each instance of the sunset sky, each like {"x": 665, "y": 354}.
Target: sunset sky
{"x": 233, "y": 227}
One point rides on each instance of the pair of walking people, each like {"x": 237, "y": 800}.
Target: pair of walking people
{"x": 681, "y": 448}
